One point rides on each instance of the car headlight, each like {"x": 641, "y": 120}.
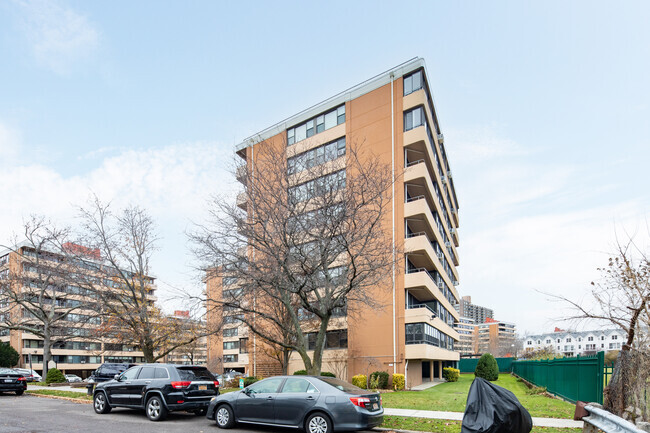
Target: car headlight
{"x": 213, "y": 398}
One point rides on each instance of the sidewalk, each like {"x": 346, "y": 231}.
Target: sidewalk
{"x": 59, "y": 388}
{"x": 458, "y": 416}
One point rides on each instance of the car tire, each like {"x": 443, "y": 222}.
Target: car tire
{"x": 20, "y": 392}
{"x": 100, "y": 404}
{"x": 318, "y": 422}
{"x": 224, "y": 416}
{"x": 155, "y": 408}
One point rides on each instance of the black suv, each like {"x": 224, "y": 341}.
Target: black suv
{"x": 108, "y": 370}
{"x": 158, "y": 389}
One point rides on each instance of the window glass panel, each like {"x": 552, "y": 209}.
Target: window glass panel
{"x": 130, "y": 374}
{"x": 340, "y": 114}
{"x": 267, "y": 385}
{"x": 408, "y": 85}
{"x": 294, "y": 384}
{"x": 146, "y": 373}
{"x": 310, "y": 128}
{"x": 330, "y": 120}
{"x": 301, "y": 132}
{"x": 161, "y": 373}
{"x": 320, "y": 123}
{"x": 408, "y": 120}
{"x": 417, "y": 80}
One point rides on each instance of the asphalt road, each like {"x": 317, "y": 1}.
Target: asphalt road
{"x": 29, "y": 414}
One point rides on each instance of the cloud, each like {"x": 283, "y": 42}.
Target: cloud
{"x": 10, "y": 142}
{"x": 531, "y": 222}
{"x": 172, "y": 182}
{"x": 59, "y": 36}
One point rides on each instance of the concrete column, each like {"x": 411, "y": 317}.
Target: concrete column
{"x": 439, "y": 369}
{"x": 431, "y": 377}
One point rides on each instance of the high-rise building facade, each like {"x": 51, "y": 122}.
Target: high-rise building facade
{"x": 468, "y": 333}
{"x": 394, "y": 116}
{"x": 472, "y": 311}
{"x": 497, "y": 337}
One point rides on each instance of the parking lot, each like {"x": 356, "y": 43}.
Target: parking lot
{"x": 44, "y": 415}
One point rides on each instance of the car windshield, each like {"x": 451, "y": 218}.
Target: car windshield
{"x": 342, "y": 385}
{"x": 195, "y": 373}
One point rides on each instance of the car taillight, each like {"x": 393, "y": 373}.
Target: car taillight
{"x": 363, "y": 402}
{"x": 216, "y": 384}
{"x": 22, "y": 378}
{"x": 182, "y": 384}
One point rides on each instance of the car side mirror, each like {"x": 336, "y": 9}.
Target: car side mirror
{"x": 116, "y": 377}
{"x": 247, "y": 391}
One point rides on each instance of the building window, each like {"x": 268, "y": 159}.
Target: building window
{"x": 602, "y": 338}
{"x": 568, "y": 340}
{"x": 316, "y": 125}
{"x": 590, "y": 338}
{"x": 243, "y": 345}
{"x": 317, "y": 187}
{"x": 230, "y": 358}
{"x": 413, "y": 82}
{"x": 336, "y": 339}
{"x": 413, "y": 118}
{"x": 230, "y": 332}
{"x": 229, "y": 345}
{"x": 548, "y": 341}
{"x": 614, "y": 337}
{"x": 319, "y": 155}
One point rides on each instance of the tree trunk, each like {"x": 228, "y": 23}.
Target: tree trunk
{"x": 317, "y": 361}
{"x": 47, "y": 342}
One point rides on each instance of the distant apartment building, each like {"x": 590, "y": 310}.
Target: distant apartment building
{"x": 572, "y": 343}
{"x": 496, "y": 337}
{"x": 195, "y": 353}
{"x": 392, "y": 115}
{"x": 475, "y": 312}
{"x": 468, "y": 333}
{"x": 81, "y": 351}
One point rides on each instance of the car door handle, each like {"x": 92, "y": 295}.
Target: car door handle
{"x": 310, "y": 398}
{"x": 270, "y": 397}
{"x": 147, "y": 381}
{"x": 127, "y": 383}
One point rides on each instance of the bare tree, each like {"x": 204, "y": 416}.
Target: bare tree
{"x": 40, "y": 287}
{"x": 314, "y": 234}
{"x": 127, "y": 241}
{"x": 622, "y": 298}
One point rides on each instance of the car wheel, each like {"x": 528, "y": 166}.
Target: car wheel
{"x": 318, "y": 423}
{"x": 155, "y": 408}
{"x": 100, "y": 404}
{"x": 20, "y": 392}
{"x": 224, "y": 416}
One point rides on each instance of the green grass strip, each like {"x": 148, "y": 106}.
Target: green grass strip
{"x": 58, "y": 393}
{"x": 448, "y": 426}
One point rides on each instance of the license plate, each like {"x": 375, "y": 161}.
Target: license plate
{"x": 203, "y": 387}
{"x": 375, "y": 406}
{"x": 8, "y": 380}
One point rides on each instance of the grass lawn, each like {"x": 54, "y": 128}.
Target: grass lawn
{"x": 59, "y": 393}
{"x": 446, "y": 426}
{"x": 452, "y": 397}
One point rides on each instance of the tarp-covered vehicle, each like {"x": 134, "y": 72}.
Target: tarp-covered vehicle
{"x": 492, "y": 409}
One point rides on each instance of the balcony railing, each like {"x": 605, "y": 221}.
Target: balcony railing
{"x": 413, "y": 306}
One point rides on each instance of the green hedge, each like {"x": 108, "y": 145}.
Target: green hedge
{"x": 398, "y": 382}
{"x": 451, "y": 374}
{"x": 360, "y": 380}
{"x": 380, "y": 379}
{"x": 487, "y": 367}
{"x": 54, "y": 375}
{"x": 300, "y": 373}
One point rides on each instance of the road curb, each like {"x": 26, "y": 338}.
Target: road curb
{"x": 59, "y": 397}
{"x": 384, "y": 429}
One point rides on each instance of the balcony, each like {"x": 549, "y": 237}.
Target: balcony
{"x": 424, "y": 314}
{"x": 421, "y": 242}
{"x": 424, "y": 288}
{"x": 241, "y": 173}
{"x": 242, "y": 201}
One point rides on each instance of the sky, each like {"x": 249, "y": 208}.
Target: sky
{"x": 544, "y": 107}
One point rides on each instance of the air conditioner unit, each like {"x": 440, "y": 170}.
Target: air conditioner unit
{"x": 441, "y": 138}
{"x": 452, "y": 231}
{"x": 455, "y": 282}
{"x": 441, "y": 284}
{"x": 441, "y": 256}
{"x": 444, "y": 180}
{"x": 449, "y": 174}
{"x": 448, "y": 244}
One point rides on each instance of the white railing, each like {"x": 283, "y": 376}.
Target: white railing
{"x": 608, "y": 422}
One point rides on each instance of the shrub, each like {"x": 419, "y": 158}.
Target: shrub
{"x": 250, "y": 380}
{"x": 374, "y": 382}
{"x": 232, "y": 383}
{"x": 381, "y": 377}
{"x": 534, "y": 390}
{"x": 327, "y": 374}
{"x": 487, "y": 367}
{"x": 54, "y": 375}
{"x": 300, "y": 373}
{"x": 398, "y": 382}
{"x": 360, "y": 380}
{"x": 8, "y": 355}
{"x": 451, "y": 374}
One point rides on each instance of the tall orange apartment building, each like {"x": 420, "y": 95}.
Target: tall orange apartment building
{"x": 394, "y": 114}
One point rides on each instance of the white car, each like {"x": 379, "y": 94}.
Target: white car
{"x": 72, "y": 378}
{"x": 30, "y": 375}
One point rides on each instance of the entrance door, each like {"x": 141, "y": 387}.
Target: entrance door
{"x": 426, "y": 370}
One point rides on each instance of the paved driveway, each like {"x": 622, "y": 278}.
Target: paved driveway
{"x": 28, "y": 414}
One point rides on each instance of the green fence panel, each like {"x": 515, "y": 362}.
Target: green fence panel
{"x": 468, "y": 365}
{"x": 573, "y": 379}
